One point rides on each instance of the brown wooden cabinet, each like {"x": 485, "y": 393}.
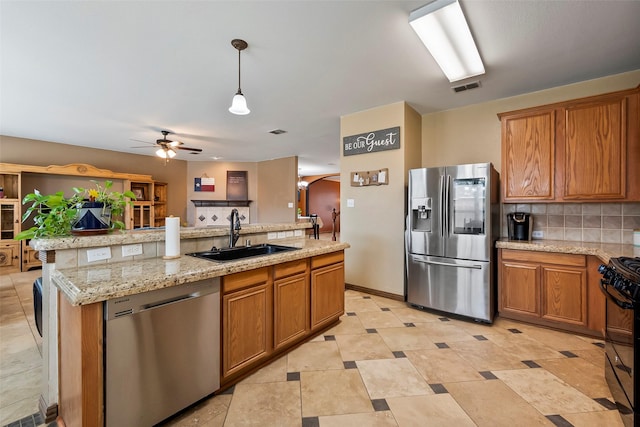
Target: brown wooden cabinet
{"x": 159, "y": 203}
{"x": 267, "y": 311}
{"x": 327, "y": 288}
{"x": 579, "y": 150}
{"x": 30, "y": 257}
{"x": 247, "y": 319}
{"x": 528, "y": 155}
{"x": 291, "y": 302}
{"x": 552, "y": 289}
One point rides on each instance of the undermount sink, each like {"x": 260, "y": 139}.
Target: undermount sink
{"x": 231, "y": 254}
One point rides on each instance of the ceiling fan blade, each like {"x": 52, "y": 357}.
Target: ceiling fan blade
{"x": 144, "y": 142}
{"x": 141, "y": 146}
{"x": 189, "y": 149}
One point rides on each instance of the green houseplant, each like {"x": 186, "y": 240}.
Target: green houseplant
{"x": 55, "y": 215}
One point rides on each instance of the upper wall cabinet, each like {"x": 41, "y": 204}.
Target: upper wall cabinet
{"x": 528, "y": 145}
{"x": 581, "y": 150}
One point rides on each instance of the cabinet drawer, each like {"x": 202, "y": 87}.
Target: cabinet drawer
{"x": 327, "y": 259}
{"x": 236, "y": 281}
{"x": 289, "y": 268}
{"x": 544, "y": 257}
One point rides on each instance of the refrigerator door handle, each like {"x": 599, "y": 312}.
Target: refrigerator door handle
{"x": 447, "y": 264}
{"x": 448, "y": 205}
{"x": 443, "y": 207}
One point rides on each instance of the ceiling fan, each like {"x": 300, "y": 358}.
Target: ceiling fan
{"x": 167, "y": 148}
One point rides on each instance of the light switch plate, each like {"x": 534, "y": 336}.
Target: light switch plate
{"x": 351, "y": 203}
{"x": 98, "y": 254}
{"x": 290, "y": 205}
{"x": 131, "y": 250}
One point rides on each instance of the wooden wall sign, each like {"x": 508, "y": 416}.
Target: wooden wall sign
{"x": 370, "y": 142}
{"x": 237, "y": 185}
{"x": 368, "y": 178}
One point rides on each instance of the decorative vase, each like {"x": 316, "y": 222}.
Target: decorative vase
{"x": 93, "y": 218}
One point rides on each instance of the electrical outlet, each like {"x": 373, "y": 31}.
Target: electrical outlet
{"x": 271, "y": 236}
{"x": 98, "y": 254}
{"x": 538, "y": 234}
{"x": 297, "y": 233}
{"x": 351, "y": 203}
{"x": 281, "y": 235}
{"x": 290, "y": 205}
{"x": 131, "y": 250}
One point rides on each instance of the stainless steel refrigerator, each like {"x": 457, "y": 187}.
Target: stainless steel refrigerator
{"x": 452, "y": 224}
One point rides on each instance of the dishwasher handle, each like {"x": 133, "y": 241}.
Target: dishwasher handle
{"x": 156, "y": 299}
{"x": 158, "y": 304}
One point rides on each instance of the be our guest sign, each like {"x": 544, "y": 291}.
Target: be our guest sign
{"x": 370, "y": 142}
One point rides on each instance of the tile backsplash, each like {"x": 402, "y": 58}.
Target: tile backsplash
{"x": 580, "y": 222}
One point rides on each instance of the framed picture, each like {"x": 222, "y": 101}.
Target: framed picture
{"x": 138, "y": 192}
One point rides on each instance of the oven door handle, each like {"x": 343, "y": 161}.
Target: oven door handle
{"x": 622, "y": 304}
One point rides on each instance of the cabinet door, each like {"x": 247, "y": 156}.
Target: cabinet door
{"x": 528, "y": 144}
{"x": 595, "y": 150}
{"x": 9, "y": 220}
{"x": 291, "y": 309}
{"x": 519, "y": 288}
{"x": 564, "y": 294}
{"x": 246, "y": 327}
{"x": 327, "y": 294}
{"x": 9, "y": 257}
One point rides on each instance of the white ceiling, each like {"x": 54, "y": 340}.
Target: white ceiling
{"x": 104, "y": 73}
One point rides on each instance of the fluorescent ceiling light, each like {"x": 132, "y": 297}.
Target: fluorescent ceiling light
{"x": 444, "y": 31}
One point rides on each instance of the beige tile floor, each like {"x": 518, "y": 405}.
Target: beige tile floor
{"x": 383, "y": 365}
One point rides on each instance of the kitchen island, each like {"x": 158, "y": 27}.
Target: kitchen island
{"x": 556, "y": 283}
{"x": 286, "y": 287}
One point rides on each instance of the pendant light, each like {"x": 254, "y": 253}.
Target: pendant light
{"x": 239, "y": 103}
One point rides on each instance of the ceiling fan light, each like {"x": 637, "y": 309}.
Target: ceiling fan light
{"x": 161, "y": 153}
{"x": 175, "y": 143}
{"x": 171, "y": 153}
{"x": 239, "y": 105}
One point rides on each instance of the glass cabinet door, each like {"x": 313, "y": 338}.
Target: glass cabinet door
{"x": 9, "y": 222}
{"x": 468, "y": 203}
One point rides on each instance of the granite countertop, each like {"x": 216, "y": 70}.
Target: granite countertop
{"x": 154, "y": 235}
{"x": 604, "y": 251}
{"x": 100, "y": 282}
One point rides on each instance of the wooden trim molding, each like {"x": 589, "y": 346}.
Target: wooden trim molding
{"x": 374, "y": 292}
{"x": 74, "y": 169}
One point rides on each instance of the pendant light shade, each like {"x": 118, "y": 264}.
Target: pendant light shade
{"x": 239, "y": 103}
{"x": 165, "y": 153}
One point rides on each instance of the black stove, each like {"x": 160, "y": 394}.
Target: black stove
{"x": 621, "y": 284}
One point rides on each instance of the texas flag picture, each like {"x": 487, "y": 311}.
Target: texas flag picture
{"x": 204, "y": 184}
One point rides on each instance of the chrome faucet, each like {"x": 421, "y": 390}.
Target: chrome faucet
{"x": 234, "y": 229}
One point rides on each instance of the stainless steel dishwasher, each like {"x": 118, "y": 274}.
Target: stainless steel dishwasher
{"x": 162, "y": 352}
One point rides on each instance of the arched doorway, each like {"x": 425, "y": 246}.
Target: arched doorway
{"x": 321, "y": 197}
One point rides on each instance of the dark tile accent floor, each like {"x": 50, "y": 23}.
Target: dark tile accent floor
{"x": 568, "y": 354}
{"x": 350, "y": 364}
{"x": 514, "y": 331}
{"x": 410, "y": 325}
{"x": 311, "y": 422}
{"x": 399, "y": 354}
{"x": 606, "y": 403}
{"x": 480, "y": 337}
{"x": 559, "y": 421}
{"x": 442, "y": 345}
{"x": 385, "y": 309}
{"x": 329, "y": 337}
{"x": 443, "y": 319}
{"x": 372, "y": 331}
{"x": 379, "y": 405}
{"x": 293, "y": 376}
{"x": 531, "y": 364}
{"x": 30, "y": 421}
{"x": 488, "y": 375}
{"x": 438, "y": 388}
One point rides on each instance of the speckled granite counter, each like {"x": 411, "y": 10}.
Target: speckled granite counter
{"x": 100, "y": 282}
{"x": 156, "y": 235}
{"x": 604, "y": 251}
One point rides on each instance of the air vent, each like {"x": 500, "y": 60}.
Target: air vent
{"x": 467, "y": 86}
{"x": 277, "y": 131}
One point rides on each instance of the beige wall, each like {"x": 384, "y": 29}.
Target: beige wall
{"x": 277, "y": 188}
{"x": 472, "y": 134}
{"x": 42, "y": 153}
{"x": 374, "y": 227}
{"x": 218, "y": 171}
